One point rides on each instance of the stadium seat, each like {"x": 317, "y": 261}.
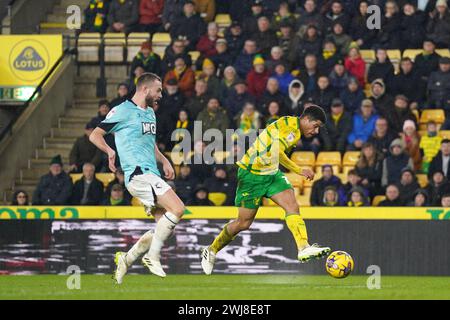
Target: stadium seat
{"x": 114, "y": 47}
{"x": 343, "y": 177}
{"x": 106, "y": 178}
{"x": 329, "y": 157}
{"x": 422, "y": 179}
{"x": 411, "y": 53}
{"x": 194, "y": 55}
{"x": 304, "y": 158}
{"x": 223, "y": 21}
{"x": 307, "y": 192}
{"x": 135, "y": 202}
{"x": 88, "y": 45}
{"x": 436, "y": 115}
{"x": 295, "y": 179}
{"x": 367, "y": 55}
{"x": 76, "y": 176}
{"x": 377, "y": 199}
{"x": 346, "y": 169}
{"x": 220, "y": 156}
{"x": 308, "y": 183}
{"x": 443, "y": 52}
{"x": 445, "y": 134}
{"x": 160, "y": 41}
{"x": 303, "y": 201}
{"x": 395, "y": 57}
{"x": 423, "y": 133}
{"x": 134, "y": 42}
{"x": 218, "y": 198}
{"x": 351, "y": 158}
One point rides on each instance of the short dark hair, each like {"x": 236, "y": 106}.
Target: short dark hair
{"x": 103, "y": 102}
{"x": 446, "y": 195}
{"x": 147, "y": 77}
{"x": 315, "y": 113}
{"x": 445, "y": 141}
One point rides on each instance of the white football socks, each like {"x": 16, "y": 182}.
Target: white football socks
{"x": 164, "y": 229}
{"x": 139, "y": 248}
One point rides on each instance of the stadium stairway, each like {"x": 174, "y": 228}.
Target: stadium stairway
{"x": 69, "y": 127}
{"x": 56, "y": 21}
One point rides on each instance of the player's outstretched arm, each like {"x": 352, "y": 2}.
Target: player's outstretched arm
{"x": 97, "y": 138}
{"x": 289, "y": 164}
{"x": 169, "y": 172}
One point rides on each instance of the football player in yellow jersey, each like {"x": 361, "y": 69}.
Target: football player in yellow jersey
{"x": 259, "y": 176}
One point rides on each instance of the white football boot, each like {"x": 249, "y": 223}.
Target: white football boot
{"x": 312, "y": 252}
{"x": 154, "y": 266}
{"x": 121, "y": 266}
{"x": 208, "y": 259}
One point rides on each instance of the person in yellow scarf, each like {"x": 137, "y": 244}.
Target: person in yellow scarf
{"x": 95, "y": 16}
{"x": 357, "y": 198}
{"x": 250, "y": 119}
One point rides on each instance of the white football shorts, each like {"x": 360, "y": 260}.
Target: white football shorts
{"x": 146, "y": 187}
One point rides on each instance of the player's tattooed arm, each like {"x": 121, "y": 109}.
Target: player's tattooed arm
{"x": 169, "y": 172}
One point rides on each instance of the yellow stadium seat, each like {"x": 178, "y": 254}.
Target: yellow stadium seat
{"x": 367, "y": 55}
{"x": 223, "y": 20}
{"x": 161, "y": 39}
{"x": 194, "y": 55}
{"x": 220, "y": 156}
{"x": 295, "y": 179}
{"x": 329, "y": 157}
{"x": 347, "y": 169}
{"x": 436, "y": 115}
{"x": 376, "y": 201}
{"x": 114, "y": 39}
{"x": 343, "y": 177}
{"x": 106, "y": 178}
{"x": 88, "y": 47}
{"x": 445, "y": 134}
{"x": 89, "y": 39}
{"x": 416, "y": 113}
{"x": 303, "y": 201}
{"x": 308, "y": 183}
{"x": 114, "y": 47}
{"x": 218, "y": 198}
{"x": 394, "y": 55}
{"x": 268, "y": 202}
{"x": 422, "y": 179}
{"x": 411, "y": 53}
{"x": 136, "y": 38}
{"x": 307, "y": 191}
{"x": 75, "y": 177}
{"x": 351, "y": 158}
{"x": 304, "y": 158}
{"x": 135, "y": 202}
{"x": 443, "y": 52}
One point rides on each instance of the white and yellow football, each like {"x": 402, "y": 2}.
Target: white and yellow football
{"x": 339, "y": 264}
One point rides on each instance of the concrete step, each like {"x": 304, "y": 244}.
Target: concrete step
{"x": 58, "y": 143}
{"x": 73, "y": 123}
{"x": 58, "y": 18}
{"x": 115, "y": 71}
{"x": 89, "y": 89}
{"x": 27, "y": 182}
{"x": 63, "y": 31}
{"x": 44, "y": 162}
{"x": 90, "y": 104}
{"x": 36, "y": 173}
{"x": 51, "y": 152}
{"x": 67, "y": 133}
{"x": 81, "y": 113}
{"x": 81, "y": 3}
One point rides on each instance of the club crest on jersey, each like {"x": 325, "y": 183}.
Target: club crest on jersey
{"x": 148, "y": 128}
{"x": 291, "y": 137}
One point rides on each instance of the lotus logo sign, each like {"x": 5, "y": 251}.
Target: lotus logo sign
{"x": 29, "y": 60}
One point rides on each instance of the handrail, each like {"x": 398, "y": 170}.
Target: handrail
{"x": 9, "y": 127}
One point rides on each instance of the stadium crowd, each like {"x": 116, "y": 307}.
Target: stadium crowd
{"x": 275, "y": 59}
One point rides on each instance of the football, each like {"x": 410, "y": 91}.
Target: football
{"x": 339, "y": 264}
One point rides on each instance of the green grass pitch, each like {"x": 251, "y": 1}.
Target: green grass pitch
{"x": 186, "y": 287}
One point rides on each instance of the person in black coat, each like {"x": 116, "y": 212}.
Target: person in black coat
{"x": 117, "y": 197}
{"x": 395, "y": 162}
{"x": 352, "y": 96}
{"x": 272, "y": 93}
{"x": 392, "y": 197}
{"x": 369, "y": 167}
{"x": 223, "y": 58}
{"x": 172, "y": 101}
{"x": 185, "y": 183}
{"x": 382, "y": 68}
{"x": 438, "y": 27}
{"x": 318, "y": 188}
{"x": 119, "y": 179}
{"x": 55, "y": 187}
{"x": 122, "y": 95}
{"x": 338, "y": 127}
{"x": 336, "y": 14}
{"x": 408, "y": 185}
{"x": 265, "y": 38}
{"x": 235, "y": 39}
{"x": 389, "y": 35}
{"x": 329, "y": 57}
{"x": 408, "y": 83}
{"x": 412, "y": 27}
{"x": 309, "y": 43}
{"x": 200, "y": 198}
{"x": 324, "y": 93}
{"x": 88, "y": 191}
{"x": 220, "y": 183}
{"x": 441, "y": 161}
{"x": 439, "y": 87}
{"x": 250, "y": 20}
{"x": 437, "y": 187}
{"x": 177, "y": 49}
{"x": 382, "y": 101}
{"x": 95, "y": 16}
{"x": 364, "y": 37}
{"x": 427, "y": 61}
{"x": 189, "y": 25}
{"x": 237, "y": 97}
{"x": 382, "y": 136}
{"x": 399, "y": 114}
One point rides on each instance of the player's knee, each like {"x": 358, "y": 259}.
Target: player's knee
{"x": 244, "y": 224}
{"x": 293, "y": 208}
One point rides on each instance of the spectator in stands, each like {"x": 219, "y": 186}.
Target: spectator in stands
{"x": 363, "y": 36}
{"x": 283, "y": 76}
{"x": 340, "y": 38}
{"x": 382, "y": 136}
{"x": 310, "y": 16}
{"x": 408, "y": 83}
{"x": 182, "y": 128}
{"x": 338, "y": 127}
{"x": 172, "y": 10}
{"x": 207, "y": 42}
{"x": 336, "y": 15}
{"x": 389, "y": 35}
{"x": 420, "y": 199}
{"x": 282, "y": 17}
{"x": 329, "y": 58}
{"x": 257, "y": 78}
{"x": 427, "y": 61}
{"x": 437, "y": 186}
{"x": 84, "y": 151}
{"x": 227, "y": 83}
{"x": 412, "y": 27}
{"x": 285, "y": 37}
{"x": 206, "y": 9}
{"x": 381, "y": 68}
{"x": 324, "y": 93}
{"x": 123, "y": 15}
{"x": 122, "y": 95}
{"x": 382, "y": 101}
{"x": 272, "y": 93}
{"x": 250, "y": 22}
{"x": 249, "y": 119}
{"x": 438, "y": 27}
{"x": 150, "y": 15}
{"x": 429, "y": 145}
{"x": 369, "y": 167}
{"x": 395, "y": 162}
{"x": 318, "y": 188}
{"x": 176, "y": 50}
{"x": 214, "y": 117}
{"x": 138, "y": 72}
{"x": 310, "y": 74}
{"x": 235, "y": 38}
{"x": 352, "y": 95}
{"x": 244, "y": 60}
{"x": 294, "y": 101}
{"x": 399, "y": 114}
{"x": 441, "y": 162}
{"x": 172, "y": 101}
{"x": 220, "y": 183}
{"x": 147, "y": 59}
{"x": 117, "y": 197}
{"x": 103, "y": 110}
{"x": 392, "y": 197}
{"x": 274, "y": 112}
{"x": 308, "y": 44}
{"x": 189, "y": 25}
{"x": 408, "y": 185}
{"x": 339, "y": 77}
{"x": 411, "y": 141}
{"x": 185, "y": 183}
{"x": 356, "y": 65}
{"x": 265, "y": 37}
{"x": 222, "y": 59}
{"x": 20, "y": 198}
{"x": 87, "y": 191}
{"x": 357, "y": 198}
{"x": 119, "y": 179}
{"x": 184, "y": 75}
{"x": 354, "y": 181}
{"x": 209, "y": 74}
{"x": 445, "y": 201}
{"x": 330, "y": 197}
{"x": 439, "y": 87}
{"x": 55, "y": 187}
{"x": 199, "y": 100}
{"x": 200, "y": 198}
{"x": 363, "y": 125}
{"x": 237, "y": 98}
{"x": 95, "y": 16}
